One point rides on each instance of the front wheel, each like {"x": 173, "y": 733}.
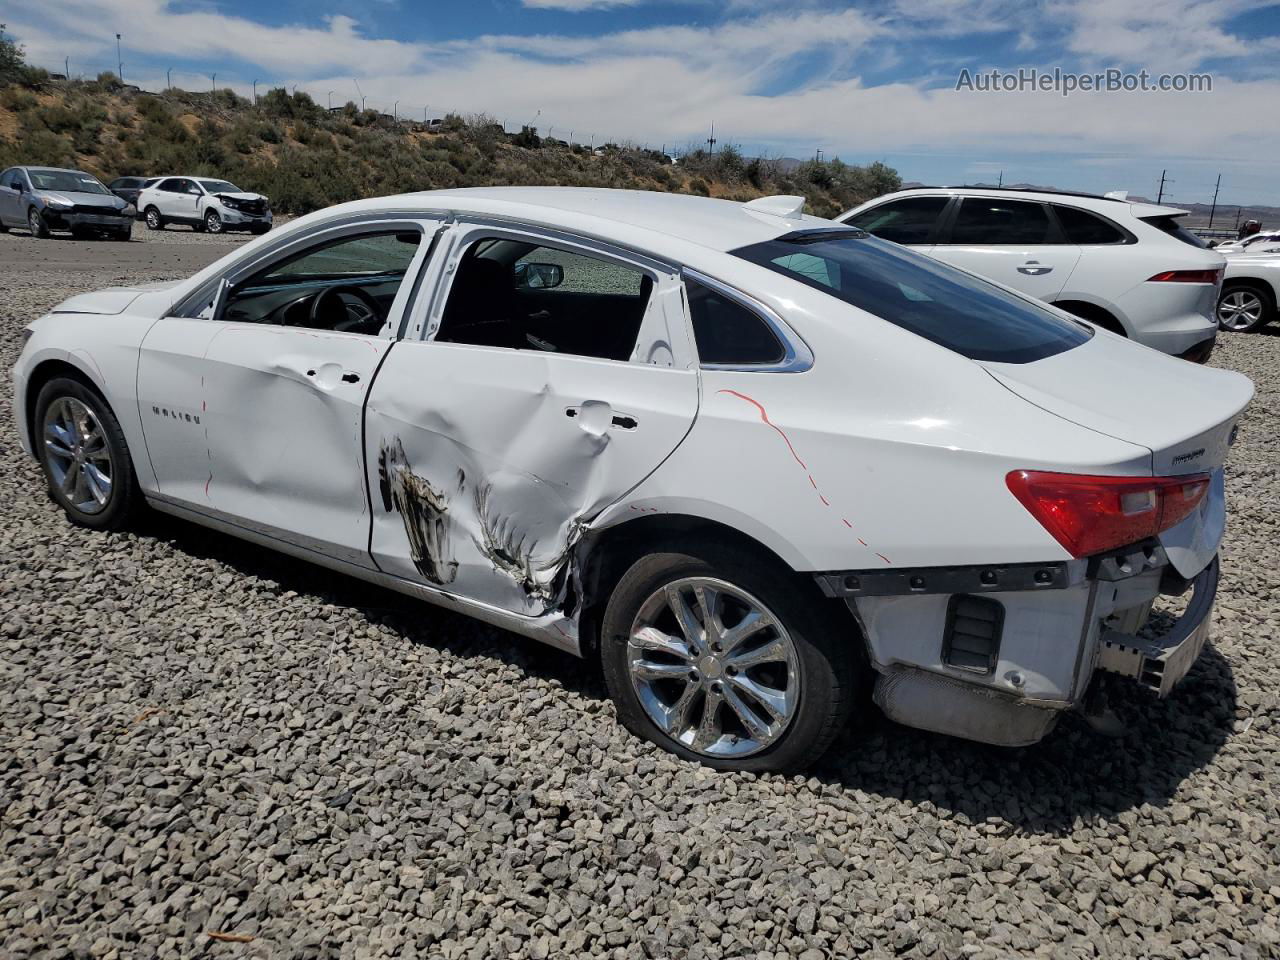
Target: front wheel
{"x": 36, "y": 224}
{"x": 212, "y": 222}
{"x": 84, "y": 455}
{"x": 1244, "y": 309}
{"x": 153, "y": 219}
{"x": 721, "y": 658}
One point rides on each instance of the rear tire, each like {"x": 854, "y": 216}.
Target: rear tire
{"x": 801, "y": 660}
{"x": 153, "y": 219}
{"x": 1244, "y": 308}
{"x": 35, "y": 223}
{"x": 85, "y": 456}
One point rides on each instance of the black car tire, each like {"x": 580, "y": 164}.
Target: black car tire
{"x": 1240, "y": 294}
{"x": 125, "y": 498}
{"x": 212, "y": 222}
{"x": 830, "y": 667}
{"x": 36, "y": 224}
{"x": 153, "y": 219}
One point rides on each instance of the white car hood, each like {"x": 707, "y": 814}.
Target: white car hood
{"x": 111, "y": 301}
{"x": 241, "y": 196}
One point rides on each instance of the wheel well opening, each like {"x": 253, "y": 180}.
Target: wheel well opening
{"x": 607, "y": 555}
{"x": 1094, "y": 314}
{"x": 1258, "y": 286}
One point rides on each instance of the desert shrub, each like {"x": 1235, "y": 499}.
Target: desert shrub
{"x": 18, "y": 100}
{"x": 699, "y": 186}
{"x": 527, "y": 138}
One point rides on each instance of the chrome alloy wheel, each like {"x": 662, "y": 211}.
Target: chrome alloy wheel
{"x": 713, "y": 668}
{"x": 78, "y": 456}
{"x": 1239, "y": 310}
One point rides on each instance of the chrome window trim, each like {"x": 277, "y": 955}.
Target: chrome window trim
{"x": 796, "y": 357}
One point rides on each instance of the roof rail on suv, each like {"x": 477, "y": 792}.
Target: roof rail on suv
{"x": 974, "y": 186}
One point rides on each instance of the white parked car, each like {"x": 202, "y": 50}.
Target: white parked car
{"x": 745, "y": 457}
{"x": 1250, "y": 291}
{"x": 204, "y": 204}
{"x": 1130, "y": 268}
{"x": 1250, "y": 244}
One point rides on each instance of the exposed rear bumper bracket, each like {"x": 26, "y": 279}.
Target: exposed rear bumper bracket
{"x": 1159, "y": 663}
{"x": 978, "y": 578}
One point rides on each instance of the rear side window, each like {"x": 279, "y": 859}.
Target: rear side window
{"x": 1173, "y": 228}
{"x": 909, "y": 220}
{"x": 727, "y": 332}
{"x": 991, "y": 220}
{"x": 1086, "y": 229}
{"x": 950, "y": 307}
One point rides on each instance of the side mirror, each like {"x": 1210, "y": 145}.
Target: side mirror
{"x": 538, "y": 276}
{"x": 16, "y": 186}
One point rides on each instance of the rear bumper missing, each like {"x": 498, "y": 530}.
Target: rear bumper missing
{"x": 998, "y": 653}
{"x": 1158, "y": 663}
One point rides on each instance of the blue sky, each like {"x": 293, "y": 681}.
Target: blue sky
{"x": 866, "y": 81}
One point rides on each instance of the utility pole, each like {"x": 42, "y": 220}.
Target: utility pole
{"x": 168, "y": 79}
{"x": 66, "y": 65}
{"x": 1000, "y": 182}
{"x": 255, "y": 93}
{"x": 1237, "y": 219}
{"x": 1163, "y": 181}
{"x": 213, "y": 83}
{"x": 1213, "y": 208}
{"x": 330, "y": 99}
{"x": 359, "y": 91}
{"x": 711, "y": 140}
{"x": 817, "y": 157}
{"x": 395, "y": 111}
{"x": 119, "y": 61}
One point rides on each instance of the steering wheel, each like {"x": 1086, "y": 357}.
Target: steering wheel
{"x": 361, "y": 317}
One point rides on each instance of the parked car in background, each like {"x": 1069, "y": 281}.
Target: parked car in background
{"x": 1130, "y": 268}
{"x": 1250, "y": 291}
{"x": 128, "y": 188}
{"x": 797, "y": 457}
{"x": 203, "y": 203}
{"x": 44, "y": 199}
{"x": 1250, "y": 244}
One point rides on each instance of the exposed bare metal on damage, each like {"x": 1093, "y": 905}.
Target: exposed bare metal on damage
{"x": 424, "y": 509}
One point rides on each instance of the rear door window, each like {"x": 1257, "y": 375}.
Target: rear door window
{"x": 909, "y": 220}
{"x": 1173, "y": 228}
{"x": 995, "y": 221}
{"x": 1087, "y": 229}
{"x": 950, "y": 307}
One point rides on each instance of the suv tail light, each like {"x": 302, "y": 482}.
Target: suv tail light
{"x": 1089, "y": 515}
{"x": 1188, "y": 276}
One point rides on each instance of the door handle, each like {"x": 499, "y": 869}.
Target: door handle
{"x": 1034, "y": 268}
{"x": 592, "y": 413}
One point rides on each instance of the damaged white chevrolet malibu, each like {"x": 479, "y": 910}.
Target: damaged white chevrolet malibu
{"x": 747, "y": 458}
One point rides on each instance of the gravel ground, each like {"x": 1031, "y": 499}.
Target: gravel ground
{"x": 199, "y": 738}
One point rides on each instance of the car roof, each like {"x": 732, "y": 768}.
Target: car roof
{"x": 1089, "y": 201}
{"x": 708, "y": 222}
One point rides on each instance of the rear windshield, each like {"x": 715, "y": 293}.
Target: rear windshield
{"x": 952, "y": 308}
{"x": 1173, "y": 228}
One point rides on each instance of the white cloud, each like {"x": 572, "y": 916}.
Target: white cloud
{"x": 579, "y": 5}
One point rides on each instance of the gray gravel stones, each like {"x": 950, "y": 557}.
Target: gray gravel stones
{"x": 200, "y": 736}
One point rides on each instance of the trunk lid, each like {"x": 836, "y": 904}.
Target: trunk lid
{"x": 1184, "y": 413}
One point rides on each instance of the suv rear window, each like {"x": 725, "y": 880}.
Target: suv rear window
{"x": 950, "y": 307}
{"x": 1173, "y": 228}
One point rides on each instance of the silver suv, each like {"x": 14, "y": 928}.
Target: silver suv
{"x": 51, "y": 198}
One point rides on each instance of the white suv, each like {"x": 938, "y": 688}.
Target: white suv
{"x": 1126, "y": 267}
{"x": 204, "y": 203}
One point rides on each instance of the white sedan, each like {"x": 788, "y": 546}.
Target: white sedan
{"x": 747, "y": 458}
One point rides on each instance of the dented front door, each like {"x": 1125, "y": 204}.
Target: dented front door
{"x": 486, "y": 464}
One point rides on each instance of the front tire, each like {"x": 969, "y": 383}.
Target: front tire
{"x": 153, "y": 219}
{"x": 727, "y": 658}
{"x": 35, "y": 223}
{"x": 1244, "y": 308}
{"x": 84, "y": 455}
{"x": 212, "y": 222}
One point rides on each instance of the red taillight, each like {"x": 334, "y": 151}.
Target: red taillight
{"x": 1188, "y": 276}
{"x": 1089, "y": 515}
